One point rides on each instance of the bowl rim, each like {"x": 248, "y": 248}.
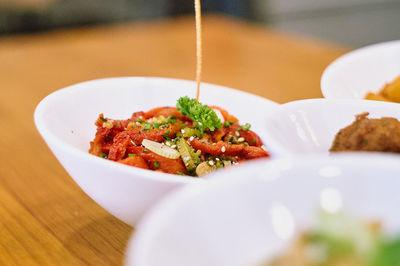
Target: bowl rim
{"x": 47, "y": 135}
{"x": 330, "y": 69}
{"x": 334, "y": 101}
{"x": 141, "y": 239}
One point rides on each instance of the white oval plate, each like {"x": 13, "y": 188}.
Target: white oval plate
{"x": 361, "y": 71}
{"x": 248, "y": 216}
{"x": 65, "y": 119}
{"x": 309, "y": 126}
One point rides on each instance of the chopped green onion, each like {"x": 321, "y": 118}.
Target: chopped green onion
{"x": 103, "y": 119}
{"x": 132, "y": 155}
{"x": 228, "y": 123}
{"x": 188, "y": 132}
{"x": 104, "y": 155}
{"x": 156, "y": 165}
{"x": 165, "y": 136}
{"x": 245, "y": 127}
{"x": 157, "y": 125}
{"x": 170, "y": 120}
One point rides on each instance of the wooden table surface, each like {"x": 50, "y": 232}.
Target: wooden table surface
{"x": 46, "y": 219}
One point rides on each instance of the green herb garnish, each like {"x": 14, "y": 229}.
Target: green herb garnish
{"x": 103, "y": 119}
{"x": 245, "y": 127}
{"x": 202, "y": 115}
{"x": 156, "y": 165}
{"x": 132, "y": 155}
{"x": 104, "y": 155}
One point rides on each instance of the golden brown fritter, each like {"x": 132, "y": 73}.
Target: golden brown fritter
{"x": 365, "y": 134}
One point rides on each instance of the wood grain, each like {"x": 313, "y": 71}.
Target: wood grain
{"x": 46, "y": 218}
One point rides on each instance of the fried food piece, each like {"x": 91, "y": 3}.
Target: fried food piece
{"x": 392, "y": 90}
{"x": 369, "y": 134}
{"x": 376, "y": 97}
{"x": 389, "y": 93}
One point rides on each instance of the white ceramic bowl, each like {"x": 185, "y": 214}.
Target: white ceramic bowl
{"x": 250, "y": 215}
{"x": 361, "y": 71}
{"x": 65, "y": 119}
{"x": 309, "y": 126}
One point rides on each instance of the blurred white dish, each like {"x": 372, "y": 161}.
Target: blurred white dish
{"x": 309, "y": 126}
{"x": 65, "y": 119}
{"x": 233, "y": 220}
{"x": 361, "y": 71}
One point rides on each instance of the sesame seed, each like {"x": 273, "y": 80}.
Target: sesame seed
{"x": 241, "y": 139}
{"x": 237, "y": 134}
{"x": 211, "y": 163}
{"x": 191, "y": 138}
{"x": 173, "y": 146}
{"x": 217, "y": 159}
{"x": 223, "y": 149}
{"x": 182, "y": 131}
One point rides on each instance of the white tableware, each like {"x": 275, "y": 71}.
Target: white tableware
{"x": 65, "y": 119}
{"x": 309, "y": 126}
{"x": 361, "y": 71}
{"x": 249, "y": 215}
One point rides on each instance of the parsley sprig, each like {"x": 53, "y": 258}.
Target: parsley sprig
{"x": 202, "y": 115}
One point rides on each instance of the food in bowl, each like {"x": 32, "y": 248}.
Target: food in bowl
{"x": 390, "y": 92}
{"x": 189, "y": 139}
{"x": 341, "y": 240}
{"x": 369, "y": 134}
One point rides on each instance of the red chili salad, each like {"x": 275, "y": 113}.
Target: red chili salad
{"x": 189, "y": 139}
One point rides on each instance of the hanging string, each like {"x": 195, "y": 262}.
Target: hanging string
{"x": 199, "y": 55}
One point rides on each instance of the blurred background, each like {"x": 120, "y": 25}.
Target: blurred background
{"x": 350, "y": 22}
